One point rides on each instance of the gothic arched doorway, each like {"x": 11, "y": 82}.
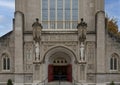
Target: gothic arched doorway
{"x": 60, "y": 67}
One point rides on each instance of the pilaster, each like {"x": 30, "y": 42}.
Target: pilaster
{"x": 100, "y": 26}
{"x": 19, "y": 21}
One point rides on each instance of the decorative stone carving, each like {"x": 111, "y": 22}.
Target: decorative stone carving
{"x": 28, "y": 79}
{"x": 91, "y": 56}
{"x": 72, "y": 45}
{"x": 82, "y": 72}
{"x": 91, "y": 78}
{"x": 59, "y": 37}
{"x": 28, "y": 52}
{"x": 28, "y": 68}
{"x": 28, "y": 56}
{"x": 90, "y": 66}
{"x": 37, "y": 67}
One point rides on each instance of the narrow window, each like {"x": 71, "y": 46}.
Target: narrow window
{"x": 114, "y": 62}
{"x": 111, "y": 63}
{"x": 6, "y": 62}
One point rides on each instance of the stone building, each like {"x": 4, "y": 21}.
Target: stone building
{"x": 59, "y": 42}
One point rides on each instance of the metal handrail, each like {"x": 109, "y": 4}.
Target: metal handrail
{"x": 74, "y": 81}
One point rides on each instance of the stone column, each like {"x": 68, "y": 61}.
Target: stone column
{"x": 19, "y": 77}
{"x": 82, "y": 73}
{"x": 100, "y": 16}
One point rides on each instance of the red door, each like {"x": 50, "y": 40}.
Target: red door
{"x": 69, "y": 73}
{"x": 50, "y": 73}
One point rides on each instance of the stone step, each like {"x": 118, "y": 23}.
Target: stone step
{"x": 59, "y": 83}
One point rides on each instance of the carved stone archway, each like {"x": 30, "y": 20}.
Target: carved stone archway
{"x": 57, "y": 58}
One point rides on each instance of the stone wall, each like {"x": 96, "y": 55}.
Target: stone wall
{"x": 112, "y": 47}
{"x": 7, "y": 47}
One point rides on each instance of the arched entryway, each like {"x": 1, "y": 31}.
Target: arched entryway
{"x": 59, "y": 62}
{"x": 60, "y": 67}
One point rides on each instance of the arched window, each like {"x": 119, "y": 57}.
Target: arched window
{"x": 114, "y": 62}
{"x": 5, "y": 62}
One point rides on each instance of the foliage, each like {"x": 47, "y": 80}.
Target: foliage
{"x": 9, "y": 82}
{"x": 112, "y": 83}
{"x": 112, "y": 27}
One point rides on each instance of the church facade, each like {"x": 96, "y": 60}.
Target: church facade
{"x": 59, "y": 42}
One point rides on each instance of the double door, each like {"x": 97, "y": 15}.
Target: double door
{"x": 60, "y": 73}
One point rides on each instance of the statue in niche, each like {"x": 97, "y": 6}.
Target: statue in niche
{"x": 37, "y": 51}
{"x": 82, "y": 55}
{"x": 37, "y": 27}
{"x": 82, "y": 30}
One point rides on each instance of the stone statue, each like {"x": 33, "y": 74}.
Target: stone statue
{"x": 82, "y": 52}
{"x": 37, "y": 51}
{"x": 37, "y": 27}
{"x": 82, "y": 30}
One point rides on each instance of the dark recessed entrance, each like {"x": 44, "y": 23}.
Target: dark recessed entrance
{"x": 60, "y": 73}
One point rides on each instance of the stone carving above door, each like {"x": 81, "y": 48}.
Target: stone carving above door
{"x": 59, "y": 37}
{"x": 71, "y": 45}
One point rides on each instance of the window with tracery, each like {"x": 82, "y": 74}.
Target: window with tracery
{"x": 114, "y": 62}
{"x": 59, "y": 14}
{"x": 5, "y": 62}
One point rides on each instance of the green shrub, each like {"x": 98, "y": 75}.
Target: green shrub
{"x": 9, "y": 82}
{"x": 112, "y": 83}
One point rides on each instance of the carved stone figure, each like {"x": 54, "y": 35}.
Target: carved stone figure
{"x": 37, "y": 51}
{"x": 82, "y": 55}
{"x": 37, "y": 27}
{"x": 82, "y": 30}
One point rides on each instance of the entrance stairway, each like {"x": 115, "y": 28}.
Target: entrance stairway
{"x": 60, "y": 83}
{"x": 57, "y": 82}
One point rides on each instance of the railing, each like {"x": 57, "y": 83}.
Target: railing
{"x": 45, "y": 82}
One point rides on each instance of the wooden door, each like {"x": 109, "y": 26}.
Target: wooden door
{"x": 69, "y": 73}
{"x": 50, "y": 73}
